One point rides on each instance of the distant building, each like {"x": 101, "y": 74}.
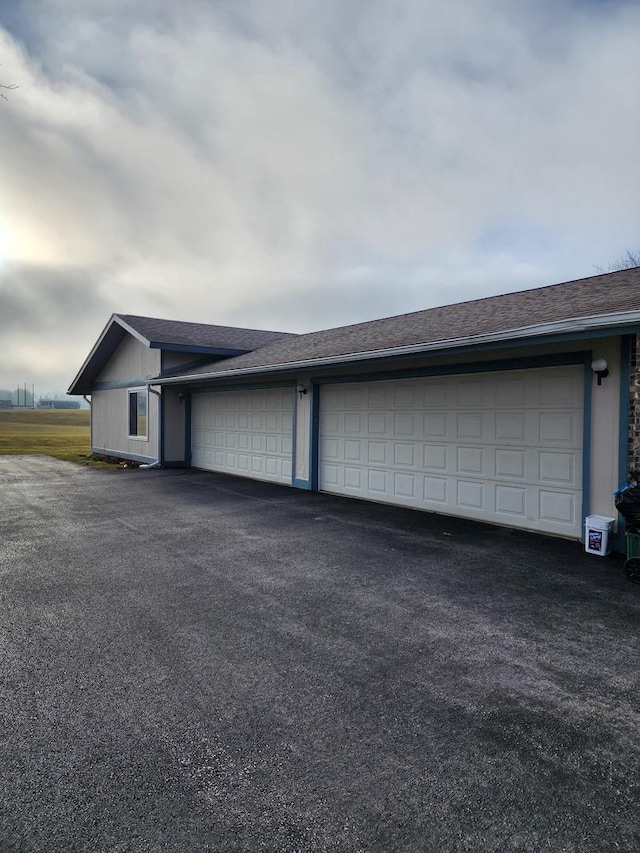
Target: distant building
{"x": 58, "y": 404}
{"x": 6, "y": 403}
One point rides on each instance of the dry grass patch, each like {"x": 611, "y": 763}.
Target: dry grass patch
{"x": 61, "y": 433}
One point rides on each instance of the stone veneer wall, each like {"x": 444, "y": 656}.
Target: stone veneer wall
{"x": 634, "y": 403}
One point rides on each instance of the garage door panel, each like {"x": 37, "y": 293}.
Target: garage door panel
{"x": 470, "y": 425}
{"x": 405, "y": 485}
{"x": 435, "y": 457}
{"x": 376, "y": 481}
{"x": 434, "y": 394}
{"x": 510, "y": 464}
{"x": 404, "y": 396}
{"x": 557, "y": 427}
{"x": 557, "y": 390}
{"x": 470, "y": 460}
{"x": 510, "y": 391}
{"x": 435, "y": 490}
{"x": 435, "y": 425}
{"x": 377, "y": 424}
{"x": 510, "y": 427}
{"x": 557, "y": 507}
{"x": 376, "y": 398}
{"x": 404, "y": 425}
{"x": 470, "y": 494}
{"x": 377, "y": 452}
{"x": 514, "y": 456}
{"x": 557, "y": 467}
{"x": 471, "y": 393}
{"x": 404, "y": 455}
{"x": 511, "y": 501}
{"x": 251, "y": 432}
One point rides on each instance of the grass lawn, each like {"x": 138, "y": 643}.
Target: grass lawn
{"x": 63, "y": 433}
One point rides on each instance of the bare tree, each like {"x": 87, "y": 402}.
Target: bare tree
{"x": 626, "y": 262}
{"x": 9, "y": 87}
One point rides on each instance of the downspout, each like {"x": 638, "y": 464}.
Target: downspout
{"x": 88, "y": 402}
{"x": 156, "y": 464}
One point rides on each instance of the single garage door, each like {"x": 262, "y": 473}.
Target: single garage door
{"x": 244, "y": 432}
{"x": 503, "y": 447}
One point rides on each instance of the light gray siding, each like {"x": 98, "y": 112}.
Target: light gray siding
{"x": 131, "y": 360}
{"x": 129, "y": 367}
{"x": 110, "y": 426}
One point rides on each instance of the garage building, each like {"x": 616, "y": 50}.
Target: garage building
{"x": 518, "y": 409}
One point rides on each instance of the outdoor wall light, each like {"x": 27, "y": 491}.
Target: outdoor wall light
{"x": 181, "y": 397}
{"x": 302, "y": 390}
{"x": 600, "y": 368}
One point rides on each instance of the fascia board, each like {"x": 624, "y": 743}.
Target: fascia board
{"x": 132, "y": 331}
{"x": 204, "y": 350}
{"x": 580, "y": 324}
{"x": 92, "y": 354}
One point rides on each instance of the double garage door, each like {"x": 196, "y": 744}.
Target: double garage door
{"x": 503, "y": 447}
{"x": 244, "y": 432}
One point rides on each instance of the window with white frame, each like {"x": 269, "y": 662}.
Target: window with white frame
{"x": 137, "y": 413}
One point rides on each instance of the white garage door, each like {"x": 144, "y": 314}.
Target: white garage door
{"x": 244, "y": 432}
{"x": 503, "y": 447}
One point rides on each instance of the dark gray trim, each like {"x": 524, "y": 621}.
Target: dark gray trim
{"x": 187, "y": 430}
{"x": 378, "y": 361}
{"x": 523, "y": 363}
{"x": 586, "y": 441}
{"x": 189, "y": 365}
{"x": 121, "y": 454}
{"x": 248, "y": 386}
{"x": 116, "y": 384}
{"x": 225, "y": 352}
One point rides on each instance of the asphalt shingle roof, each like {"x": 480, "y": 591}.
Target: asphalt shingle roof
{"x": 597, "y": 295}
{"x": 200, "y": 334}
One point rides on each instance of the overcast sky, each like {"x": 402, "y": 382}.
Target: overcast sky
{"x": 300, "y": 164}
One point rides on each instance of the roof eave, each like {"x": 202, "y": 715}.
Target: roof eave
{"x": 227, "y": 352}
{"x": 82, "y": 384}
{"x": 570, "y": 326}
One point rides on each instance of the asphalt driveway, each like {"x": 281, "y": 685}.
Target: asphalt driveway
{"x": 193, "y": 662}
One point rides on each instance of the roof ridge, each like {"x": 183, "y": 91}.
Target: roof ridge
{"x": 530, "y": 290}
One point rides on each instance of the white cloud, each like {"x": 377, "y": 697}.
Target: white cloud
{"x": 232, "y": 162}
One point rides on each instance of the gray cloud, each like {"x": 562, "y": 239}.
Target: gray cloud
{"x": 47, "y": 317}
{"x": 307, "y": 164}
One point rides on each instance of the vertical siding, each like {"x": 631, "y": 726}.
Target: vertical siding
{"x": 605, "y": 430}
{"x": 110, "y": 425}
{"x": 132, "y": 363}
{"x": 302, "y": 437}
{"x": 131, "y": 360}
